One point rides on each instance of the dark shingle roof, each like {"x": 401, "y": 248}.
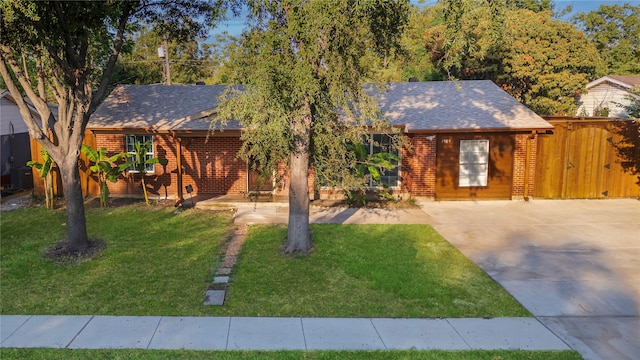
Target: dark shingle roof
{"x": 461, "y": 105}
{"x": 158, "y": 107}
{"x": 437, "y": 105}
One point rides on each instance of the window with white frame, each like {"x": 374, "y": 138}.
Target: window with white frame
{"x": 474, "y": 163}
{"x": 383, "y": 143}
{"x": 131, "y": 150}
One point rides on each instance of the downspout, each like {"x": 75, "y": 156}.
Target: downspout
{"x": 180, "y": 198}
{"x": 527, "y": 164}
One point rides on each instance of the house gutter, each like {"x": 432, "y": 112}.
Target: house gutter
{"x": 478, "y": 130}
{"x": 180, "y": 198}
{"x": 527, "y": 164}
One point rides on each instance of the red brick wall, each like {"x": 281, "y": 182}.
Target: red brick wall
{"x": 519, "y": 165}
{"x": 161, "y": 183}
{"x": 212, "y": 166}
{"x": 418, "y": 171}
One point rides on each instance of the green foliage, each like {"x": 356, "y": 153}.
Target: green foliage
{"x": 320, "y": 70}
{"x": 44, "y": 169}
{"x": 190, "y": 61}
{"x": 542, "y": 62}
{"x": 615, "y": 31}
{"x": 469, "y": 28}
{"x": 140, "y": 162}
{"x": 628, "y": 147}
{"x": 533, "y": 5}
{"x": 368, "y": 167}
{"x": 303, "y": 66}
{"x": 75, "y": 45}
{"x": 105, "y": 167}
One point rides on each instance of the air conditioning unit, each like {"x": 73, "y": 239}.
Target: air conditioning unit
{"x": 22, "y": 178}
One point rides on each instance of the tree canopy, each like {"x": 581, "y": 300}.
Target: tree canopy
{"x": 615, "y": 31}
{"x": 299, "y": 63}
{"x": 74, "y": 46}
{"x": 543, "y": 62}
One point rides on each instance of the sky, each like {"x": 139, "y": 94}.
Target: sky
{"x": 235, "y": 25}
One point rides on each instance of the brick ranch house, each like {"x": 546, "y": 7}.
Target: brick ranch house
{"x": 469, "y": 140}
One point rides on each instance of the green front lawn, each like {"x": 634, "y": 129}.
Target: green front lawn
{"x": 363, "y": 271}
{"x": 155, "y": 263}
{"x": 160, "y": 263}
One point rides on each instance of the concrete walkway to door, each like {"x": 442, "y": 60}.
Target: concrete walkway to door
{"x": 575, "y": 264}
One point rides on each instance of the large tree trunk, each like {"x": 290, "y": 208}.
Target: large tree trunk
{"x": 76, "y": 222}
{"x": 298, "y": 236}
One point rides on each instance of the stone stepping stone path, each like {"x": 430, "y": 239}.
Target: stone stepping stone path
{"x": 217, "y": 291}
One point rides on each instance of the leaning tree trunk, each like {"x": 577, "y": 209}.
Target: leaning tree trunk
{"x": 76, "y": 221}
{"x": 298, "y": 236}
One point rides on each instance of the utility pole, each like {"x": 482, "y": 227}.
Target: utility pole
{"x": 166, "y": 61}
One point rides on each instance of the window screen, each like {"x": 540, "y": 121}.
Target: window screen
{"x": 474, "y": 163}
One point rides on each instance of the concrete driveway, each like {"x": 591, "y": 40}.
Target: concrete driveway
{"x": 575, "y": 264}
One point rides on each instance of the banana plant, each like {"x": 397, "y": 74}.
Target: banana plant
{"x": 44, "y": 169}
{"x": 106, "y": 168}
{"x": 141, "y": 161}
{"x": 375, "y": 164}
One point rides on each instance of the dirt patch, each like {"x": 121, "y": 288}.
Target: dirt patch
{"x": 60, "y": 253}
{"x": 16, "y": 201}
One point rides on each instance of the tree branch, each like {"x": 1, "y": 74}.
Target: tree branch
{"x": 7, "y": 59}
{"x": 117, "y": 47}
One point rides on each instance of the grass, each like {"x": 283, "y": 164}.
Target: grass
{"x": 155, "y": 262}
{"x": 160, "y": 263}
{"x": 65, "y": 354}
{"x": 363, "y": 271}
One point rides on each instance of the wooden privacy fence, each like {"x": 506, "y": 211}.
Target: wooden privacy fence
{"x": 580, "y": 161}
{"x": 88, "y": 181}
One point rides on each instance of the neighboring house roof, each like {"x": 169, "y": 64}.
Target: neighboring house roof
{"x": 608, "y": 96}
{"x": 625, "y": 81}
{"x": 11, "y": 121}
{"x": 418, "y": 106}
{"x": 459, "y": 105}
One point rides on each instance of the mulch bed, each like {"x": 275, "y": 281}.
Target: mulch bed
{"x": 60, "y": 253}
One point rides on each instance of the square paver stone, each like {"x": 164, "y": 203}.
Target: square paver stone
{"x": 341, "y": 334}
{"x": 9, "y": 324}
{"x": 117, "y": 332}
{"x": 507, "y": 333}
{"x": 196, "y": 333}
{"x": 264, "y": 333}
{"x": 419, "y": 334}
{"x": 47, "y": 331}
{"x": 214, "y": 297}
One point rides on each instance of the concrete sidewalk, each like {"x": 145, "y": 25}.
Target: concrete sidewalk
{"x": 268, "y": 333}
{"x": 278, "y": 213}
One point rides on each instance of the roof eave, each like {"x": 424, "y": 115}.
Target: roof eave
{"x": 608, "y": 79}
